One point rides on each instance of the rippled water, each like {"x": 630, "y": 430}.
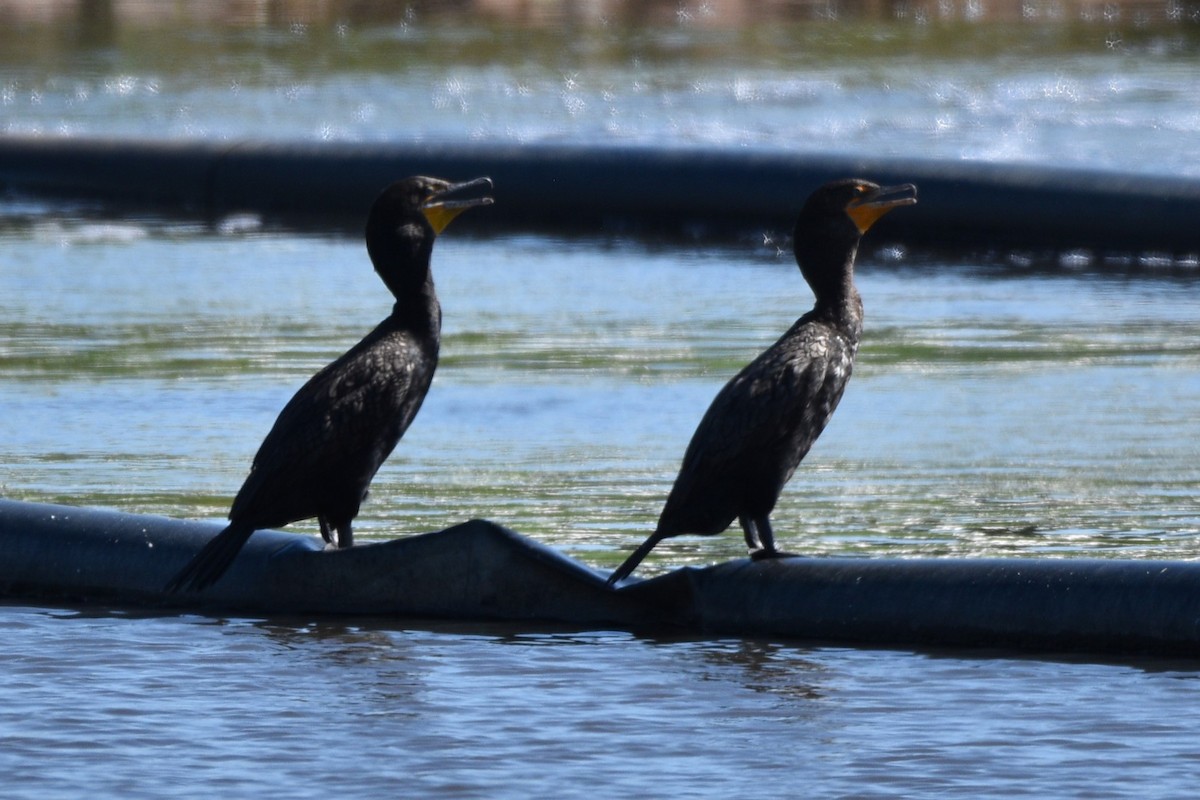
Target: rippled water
{"x": 1007, "y": 406}
{"x": 116, "y": 706}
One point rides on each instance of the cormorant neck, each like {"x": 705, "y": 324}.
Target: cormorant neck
{"x": 402, "y": 262}
{"x": 830, "y": 274}
{"x": 415, "y": 298}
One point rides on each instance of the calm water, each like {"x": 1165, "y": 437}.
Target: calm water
{"x": 1015, "y": 405}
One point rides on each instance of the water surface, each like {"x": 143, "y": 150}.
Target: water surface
{"x": 117, "y": 706}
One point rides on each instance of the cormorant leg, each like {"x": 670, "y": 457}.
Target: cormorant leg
{"x": 765, "y": 534}
{"x": 751, "y": 532}
{"x": 763, "y": 524}
{"x": 345, "y": 536}
{"x": 325, "y": 532}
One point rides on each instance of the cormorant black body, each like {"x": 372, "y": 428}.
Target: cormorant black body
{"x": 334, "y": 434}
{"x": 765, "y": 419}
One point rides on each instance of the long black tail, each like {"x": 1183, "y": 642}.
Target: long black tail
{"x": 210, "y": 563}
{"x": 631, "y": 563}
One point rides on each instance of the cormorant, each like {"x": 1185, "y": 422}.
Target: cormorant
{"x": 764, "y": 420}
{"x": 333, "y": 435}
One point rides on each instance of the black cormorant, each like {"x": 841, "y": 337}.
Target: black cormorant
{"x": 765, "y": 419}
{"x": 334, "y": 434}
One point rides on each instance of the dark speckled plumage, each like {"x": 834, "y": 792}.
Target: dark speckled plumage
{"x": 339, "y": 428}
{"x": 763, "y": 422}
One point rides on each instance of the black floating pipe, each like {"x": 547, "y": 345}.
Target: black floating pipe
{"x": 620, "y": 189}
{"x": 479, "y": 571}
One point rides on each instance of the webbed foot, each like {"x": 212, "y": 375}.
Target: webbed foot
{"x": 764, "y": 554}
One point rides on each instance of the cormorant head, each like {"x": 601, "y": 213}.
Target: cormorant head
{"x": 409, "y": 214}
{"x": 832, "y": 222}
